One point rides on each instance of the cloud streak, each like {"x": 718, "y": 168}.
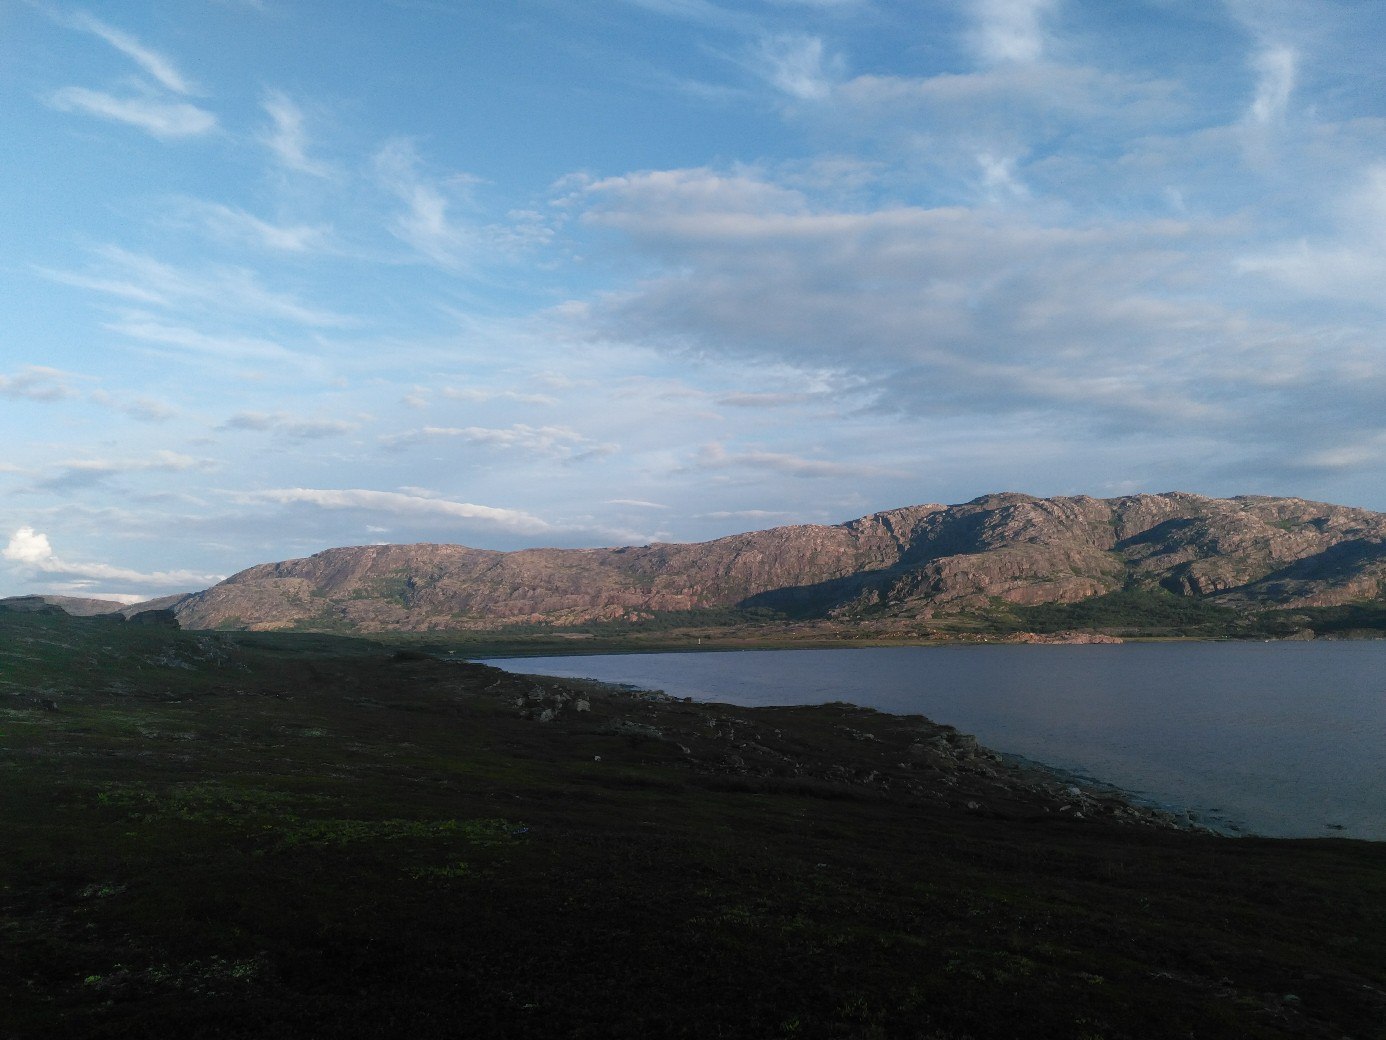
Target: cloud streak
{"x": 287, "y": 135}
{"x": 395, "y": 503}
{"x": 152, "y": 62}
{"x": 32, "y": 551}
{"x": 164, "y": 119}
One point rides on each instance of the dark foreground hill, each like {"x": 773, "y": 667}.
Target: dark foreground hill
{"x": 264, "y": 835}
{"x": 904, "y": 564}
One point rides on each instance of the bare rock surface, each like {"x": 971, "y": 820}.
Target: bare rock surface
{"x": 1239, "y": 552}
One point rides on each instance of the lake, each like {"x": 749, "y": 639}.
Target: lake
{"x": 1285, "y": 739}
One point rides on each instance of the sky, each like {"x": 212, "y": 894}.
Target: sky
{"x": 283, "y": 275}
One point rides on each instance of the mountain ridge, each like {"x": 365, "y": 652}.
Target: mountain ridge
{"x": 913, "y": 561}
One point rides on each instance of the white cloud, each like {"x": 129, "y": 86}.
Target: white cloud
{"x": 32, "y": 550}
{"x": 237, "y": 225}
{"x": 638, "y": 503}
{"x": 716, "y": 456}
{"x": 36, "y": 383}
{"x": 797, "y": 65}
{"x": 426, "y": 224}
{"x": 29, "y": 547}
{"x": 163, "y": 119}
{"x": 999, "y": 177}
{"x": 1010, "y": 30}
{"x": 547, "y": 441}
{"x": 1275, "y": 82}
{"x": 1132, "y": 328}
{"x": 289, "y": 425}
{"x": 1349, "y": 265}
{"x": 80, "y": 473}
{"x": 145, "y": 409}
{"x": 287, "y": 138}
{"x": 215, "y": 345}
{"x": 153, "y": 63}
{"x": 236, "y": 291}
{"x": 399, "y": 504}
{"x": 482, "y": 395}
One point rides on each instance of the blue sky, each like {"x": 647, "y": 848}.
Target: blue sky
{"x": 277, "y": 276}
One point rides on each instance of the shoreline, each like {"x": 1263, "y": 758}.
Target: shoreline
{"x": 936, "y": 761}
{"x": 1157, "y": 786}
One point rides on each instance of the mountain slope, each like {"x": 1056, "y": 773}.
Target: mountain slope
{"x": 1241, "y": 552}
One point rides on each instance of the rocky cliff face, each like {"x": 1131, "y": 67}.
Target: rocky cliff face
{"x": 1241, "y": 552}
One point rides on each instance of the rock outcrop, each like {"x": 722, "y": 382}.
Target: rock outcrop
{"x": 1242, "y": 552}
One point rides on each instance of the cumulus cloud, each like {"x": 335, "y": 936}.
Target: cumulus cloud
{"x": 29, "y": 547}
{"x": 32, "y": 551}
{"x": 395, "y": 503}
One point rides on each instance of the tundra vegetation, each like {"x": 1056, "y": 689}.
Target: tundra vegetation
{"x": 290, "y": 835}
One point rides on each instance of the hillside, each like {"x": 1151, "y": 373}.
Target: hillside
{"x": 284, "y": 836}
{"x": 913, "y": 562}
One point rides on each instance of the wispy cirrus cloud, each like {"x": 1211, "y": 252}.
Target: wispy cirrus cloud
{"x": 557, "y": 442}
{"x": 237, "y": 291}
{"x": 155, "y": 107}
{"x": 224, "y": 346}
{"x": 75, "y": 474}
{"x": 157, "y": 65}
{"x": 716, "y": 456}
{"x": 238, "y": 226}
{"x": 428, "y": 222}
{"x": 287, "y": 135}
{"x": 797, "y": 64}
{"x": 483, "y": 394}
{"x": 155, "y": 116}
{"x": 396, "y": 503}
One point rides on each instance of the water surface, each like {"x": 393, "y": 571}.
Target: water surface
{"x": 1283, "y": 739}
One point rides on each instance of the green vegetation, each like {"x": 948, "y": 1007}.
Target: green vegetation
{"x": 1144, "y": 612}
{"x": 279, "y": 835}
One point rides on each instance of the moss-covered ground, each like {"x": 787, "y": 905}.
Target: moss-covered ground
{"x": 301, "y": 836}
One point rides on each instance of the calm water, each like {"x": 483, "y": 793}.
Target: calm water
{"x": 1285, "y": 739}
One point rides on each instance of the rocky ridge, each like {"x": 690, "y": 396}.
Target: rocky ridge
{"x": 909, "y": 562}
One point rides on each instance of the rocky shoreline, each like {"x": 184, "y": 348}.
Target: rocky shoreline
{"x": 833, "y": 749}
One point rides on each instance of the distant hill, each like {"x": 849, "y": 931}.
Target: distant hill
{"x": 79, "y": 606}
{"x": 1245, "y": 553}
